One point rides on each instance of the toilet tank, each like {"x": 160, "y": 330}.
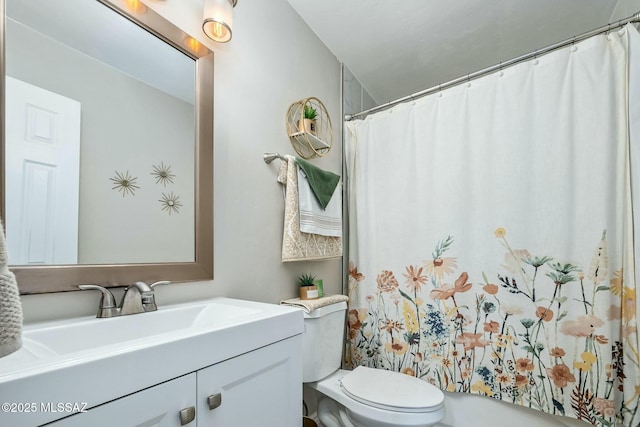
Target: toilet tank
{"x": 322, "y": 341}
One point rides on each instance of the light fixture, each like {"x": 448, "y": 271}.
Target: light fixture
{"x": 135, "y": 6}
{"x": 218, "y": 18}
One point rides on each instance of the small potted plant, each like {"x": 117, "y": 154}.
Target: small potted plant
{"x": 308, "y": 289}
{"x": 308, "y": 123}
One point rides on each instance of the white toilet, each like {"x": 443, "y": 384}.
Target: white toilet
{"x": 364, "y": 397}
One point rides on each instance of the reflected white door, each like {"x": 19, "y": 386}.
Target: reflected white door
{"x": 42, "y": 175}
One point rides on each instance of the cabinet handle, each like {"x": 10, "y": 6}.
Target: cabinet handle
{"x": 187, "y": 415}
{"x": 214, "y": 401}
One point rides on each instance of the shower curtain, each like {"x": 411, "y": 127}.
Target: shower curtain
{"x": 491, "y": 238}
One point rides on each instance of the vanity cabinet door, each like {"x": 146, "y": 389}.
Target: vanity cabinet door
{"x": 158, "y": 406}
{"x": 259, "y": 388}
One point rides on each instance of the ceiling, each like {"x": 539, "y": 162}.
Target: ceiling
{"x": 396, "y": 48}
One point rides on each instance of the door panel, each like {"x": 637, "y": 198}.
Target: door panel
{"x": 260, "y": 388}
{"x": 43, "y": 175}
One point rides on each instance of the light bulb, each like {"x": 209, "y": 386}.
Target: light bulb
{"x": 217, "y": 20}
{"x": 135, "y": 6}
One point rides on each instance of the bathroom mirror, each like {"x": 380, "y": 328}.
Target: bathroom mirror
{"x": 107, "y": 145}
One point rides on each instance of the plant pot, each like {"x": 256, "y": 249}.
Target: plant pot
{"x": 308, "y": 422}
{"x": 307, "y": 125}
{"x": 308, "y": 292}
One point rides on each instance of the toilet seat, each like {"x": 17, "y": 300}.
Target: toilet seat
{"x": 391, "y": 391}
{"x": 364, "y": 414}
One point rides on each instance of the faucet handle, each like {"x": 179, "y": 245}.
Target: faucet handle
{"x": 107, "y": 306}
{"x": 106, "y": 300}
{"x": 153, "y": 306}
{"x": 161, "y": 282}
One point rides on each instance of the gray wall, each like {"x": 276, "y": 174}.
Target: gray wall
{"x": 355, "y": 98}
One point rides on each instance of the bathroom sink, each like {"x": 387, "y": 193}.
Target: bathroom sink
{"x": 90, "y": 333}
{"x": 93, "y": 360}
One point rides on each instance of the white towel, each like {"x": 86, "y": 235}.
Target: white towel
{"x": 314, "y": 219}
{"x": 10, "y": 307}
{"x": 298, "y": 246}
{"x": 308, "y": 305}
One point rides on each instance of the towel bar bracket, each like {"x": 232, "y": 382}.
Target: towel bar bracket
{"x": 270, "y": 157}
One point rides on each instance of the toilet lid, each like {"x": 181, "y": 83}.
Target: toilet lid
{"x": 391, "y": 391}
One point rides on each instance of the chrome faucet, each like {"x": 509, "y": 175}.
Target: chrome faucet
{"x": 137, "y": 298}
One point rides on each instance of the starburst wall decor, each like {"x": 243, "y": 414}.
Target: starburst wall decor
{"x": 125, "y": 183}
{"x": 170, "y": 203}
{"x": 163, "y": 174}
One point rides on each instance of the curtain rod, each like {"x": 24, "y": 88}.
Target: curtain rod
{"x": 604, "y": 29}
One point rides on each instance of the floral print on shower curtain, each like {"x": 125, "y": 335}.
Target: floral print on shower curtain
{"x": 491, "y": 241}
{"x": 530, "y": 335}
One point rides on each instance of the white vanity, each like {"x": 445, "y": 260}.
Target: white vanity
{"x": 220, "y": 362}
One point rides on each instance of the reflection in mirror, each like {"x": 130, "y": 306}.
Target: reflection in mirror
{"x": 80, "y": 185}
{"x": 105, "y": 143}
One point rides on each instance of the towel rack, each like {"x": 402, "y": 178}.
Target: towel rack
{"x": 270, "y": 157}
